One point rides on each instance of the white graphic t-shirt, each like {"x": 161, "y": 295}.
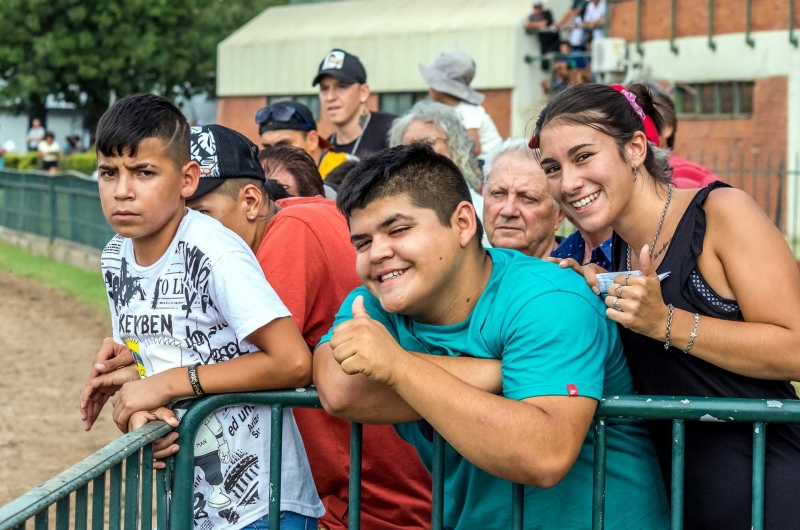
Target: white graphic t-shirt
{"x": 197, "y": 304}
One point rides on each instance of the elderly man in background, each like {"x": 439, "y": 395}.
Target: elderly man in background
{"x": 518, "y": 211}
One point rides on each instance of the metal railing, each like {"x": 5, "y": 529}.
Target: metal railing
{"x": 135, "y": 451}
{"x": 63, "y": 206}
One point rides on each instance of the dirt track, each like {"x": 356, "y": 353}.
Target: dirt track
{"x": 47, "y": 343}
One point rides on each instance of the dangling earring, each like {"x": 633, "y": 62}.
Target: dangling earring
{"x": 635, "y": 171}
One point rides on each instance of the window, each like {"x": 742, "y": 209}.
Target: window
{"x": 399, "y": 102}
{"x": 731, "y": 99}
{"x": 312, "y": 102}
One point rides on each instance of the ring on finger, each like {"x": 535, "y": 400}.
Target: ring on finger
{"x": 626, "y": 278}
{"x": 618, "y": 291}
{"x": 616, "y": 305}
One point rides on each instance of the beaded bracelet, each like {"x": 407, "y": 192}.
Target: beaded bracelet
{"x": 669, "y": 326}
{"x": 693, "y": 334}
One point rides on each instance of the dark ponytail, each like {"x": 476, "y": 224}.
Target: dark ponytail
{"x": 604, "y": 109}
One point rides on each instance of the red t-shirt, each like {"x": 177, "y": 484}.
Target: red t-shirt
{"x": 688, "y": 175}
{"x": 307, "y": 257}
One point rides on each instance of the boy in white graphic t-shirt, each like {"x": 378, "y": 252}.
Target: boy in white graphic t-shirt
{"x": 190, "y": 305}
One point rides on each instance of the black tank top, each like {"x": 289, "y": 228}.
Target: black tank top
{"x": 718, "y": 473}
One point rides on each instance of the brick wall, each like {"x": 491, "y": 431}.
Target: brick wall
{"x": 692, "y": 17}
{"x": 239, "y": 114}
{"x": 498, "y": 106}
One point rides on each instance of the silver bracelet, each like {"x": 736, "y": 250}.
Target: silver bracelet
{"x": 693, "y": 334}
{"x": 669, "y": 326}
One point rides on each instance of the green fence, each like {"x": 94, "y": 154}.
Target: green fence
{"x": 134, "y": 450}
{"x": 64, "y": 206}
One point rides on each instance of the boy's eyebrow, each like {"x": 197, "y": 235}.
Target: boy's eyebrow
{"x": 572, "y": 151}
{"x": 141, "y": 165}
{"x": 389, "y": 221}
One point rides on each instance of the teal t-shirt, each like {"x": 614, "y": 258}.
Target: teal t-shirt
{"x": 553, "y": 338}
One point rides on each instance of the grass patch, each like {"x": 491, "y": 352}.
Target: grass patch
{"x": 86, "y": 286}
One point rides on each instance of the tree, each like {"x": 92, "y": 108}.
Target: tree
{"x": 87, "y": 52}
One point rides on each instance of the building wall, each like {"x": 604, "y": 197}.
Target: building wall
{"x": 239, "y": 114}
{"x": 729, "y": 17}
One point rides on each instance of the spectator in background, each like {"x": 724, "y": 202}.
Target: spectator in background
{"x": 449, "y": 78}
{"x": 339, "y": 173}
{"x": 295, "y": 170}
{"x": 573, "y": 19}
{"x": 35, "y": 135}
{"x": 292, "y": 123}
{"x": 594, "y": 19}
{"x": 685, "y": 174}
{"x": 74, "y": 145}
{"x": 343, "y": 95}
{"x": 518, "y": 210}
{"x": 49, "y": 150}
{"x": 439, "y": 126}
{"x": 541, "y": 20}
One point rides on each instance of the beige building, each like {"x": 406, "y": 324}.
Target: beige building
{"x": 276, "y": 55}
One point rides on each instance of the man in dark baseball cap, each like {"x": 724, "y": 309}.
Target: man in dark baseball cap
{"x": 343, "y": 96}
{"x": 292, "y": 123}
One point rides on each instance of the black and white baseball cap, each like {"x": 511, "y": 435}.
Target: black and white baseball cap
{"x": 342, "y": 65}
{"x": 222, "y": 154}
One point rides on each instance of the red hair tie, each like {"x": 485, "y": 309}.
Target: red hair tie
{"x": 650, "y": 130}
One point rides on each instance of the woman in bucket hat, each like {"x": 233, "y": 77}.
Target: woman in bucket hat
{"x": 449, "y": 78}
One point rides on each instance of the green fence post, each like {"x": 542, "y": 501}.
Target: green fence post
{"x": 132, "y": 491}
{"x": 517, "y": 506}
{"x": 53, "y": 199}
{"x": 599, "y": 482}
{"x": 678, "y": 452}
{"x": 711, "y": 43}
{"x": 162, "y": 517}
{"x": 437, "y": 504}
{"x": 354, "y": 505}
{"x": 42, "y": 519}
{"x": 147, "y": 487}
{"x": 82, "y": 507}
{"x": 62, "y": 514}
{"x": 759, "y": 436}
{"x": 115, "y": 498}
{"x": 99, "y": 502}
{"x": 275, "y": 456}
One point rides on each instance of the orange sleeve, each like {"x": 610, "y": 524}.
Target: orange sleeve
{"x": 293, "y": 262}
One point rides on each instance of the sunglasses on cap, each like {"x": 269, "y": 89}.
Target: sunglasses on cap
{"x": 281, "y": 114}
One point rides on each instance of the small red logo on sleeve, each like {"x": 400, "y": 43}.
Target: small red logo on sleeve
{"x": 572, "y": 390}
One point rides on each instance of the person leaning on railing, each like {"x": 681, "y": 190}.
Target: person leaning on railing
{"x": 442, "y": 326}
{"x": 722, "y": 324}
{"x": 190, "y": 303}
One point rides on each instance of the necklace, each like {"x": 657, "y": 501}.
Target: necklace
{"x": 658, "y": 229}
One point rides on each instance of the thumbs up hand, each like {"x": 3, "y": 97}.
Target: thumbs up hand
{"x": 636, "y": 301}
{"x": 364, "y": 346}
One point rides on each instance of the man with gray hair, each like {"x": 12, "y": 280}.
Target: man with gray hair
{"x": 518, "y": 211}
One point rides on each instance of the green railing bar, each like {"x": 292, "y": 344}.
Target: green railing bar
{"x": 678, "y": 455}
{"x": 147, "y": 487}
{"x": 275, "y": 455}
{"x": 792, "y": 39}
{"x": 639, "y": 47}
{"x": 700, "y": 408}
{"x": 42, "y": 520}
{"x": 115, "y": 497}
{"x": 759, "y": 457}
{"x": 354, "y": 502}
{"x": 162, "y": 516}
{"x": 82, "y": 508}
{"x": 672, "y": 22}
{"x": 99, "y": 502}
{"x": 517, "y": 506}
{"x": 437, "y": 497}
{"x": 711, "y": 43}
{"x": 31, "y": 503}
{"x": 53, "y": 210}
{"x": 747, "y": 23}
{"x": 599, "y": 478}
{"x": 62, "y": 514}
{"x": 132, "y": 491}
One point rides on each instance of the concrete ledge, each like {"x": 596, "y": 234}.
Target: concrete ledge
{"x": 75, "y": 254}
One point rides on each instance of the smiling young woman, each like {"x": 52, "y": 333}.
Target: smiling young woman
{"x": 723, "y": 324}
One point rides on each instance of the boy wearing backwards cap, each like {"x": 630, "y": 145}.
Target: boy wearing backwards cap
{"x": 292, "y": 123}
{"x": 343, "y": 95}
{"x": 191, "y": 305}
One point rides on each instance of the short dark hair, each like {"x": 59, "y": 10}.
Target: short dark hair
{"x": 430, "y": 180}
{"x": 135, "y": 118}
{"x": 337, "y": 175}
{"x": 272, "y": 188}
{"x": 666, "y": 108}
{"x": 298, "y": 163}
{"x": 49, "y": 134}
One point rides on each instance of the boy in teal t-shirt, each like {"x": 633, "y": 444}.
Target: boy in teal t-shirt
{"x": 442, "y": 325}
